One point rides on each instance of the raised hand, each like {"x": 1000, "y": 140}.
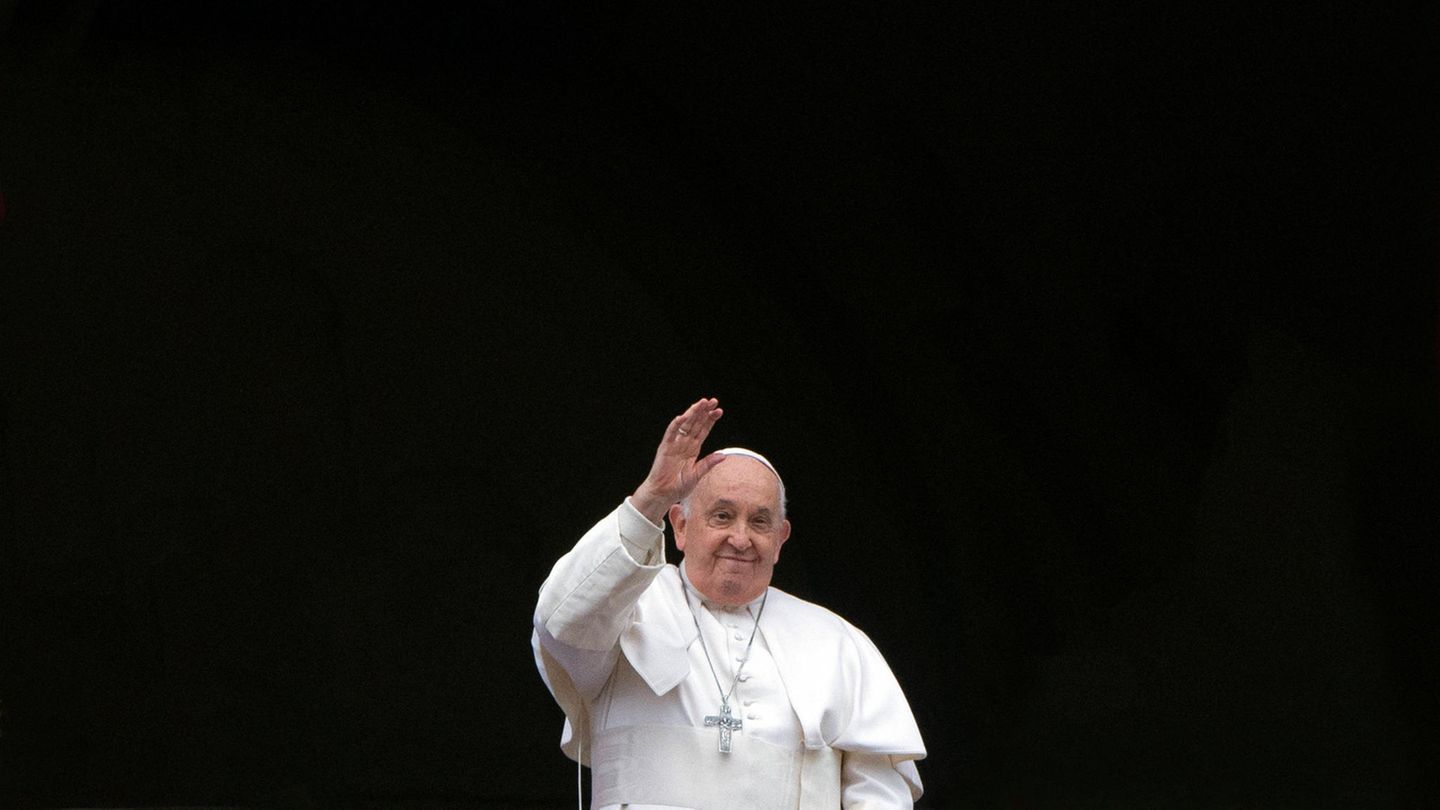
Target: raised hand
{"x": 678, "y": 466}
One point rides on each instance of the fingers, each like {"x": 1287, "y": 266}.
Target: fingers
{"x": 676, "y": 429}
{"x": 707, "y": 464}
{"x": 702, "y": 427}
{"x": 694, "y": 424}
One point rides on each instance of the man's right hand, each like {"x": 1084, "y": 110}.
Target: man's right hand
{"x": 678, "y": 466}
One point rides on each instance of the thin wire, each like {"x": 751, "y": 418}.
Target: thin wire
{"x": 724, "y": 695}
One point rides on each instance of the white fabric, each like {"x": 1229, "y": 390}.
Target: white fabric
{"x": 759, "y": 698}
{"x": 642, "y": 762}
{"x": 614, "y": 642}
{"x": 638, "y": 764}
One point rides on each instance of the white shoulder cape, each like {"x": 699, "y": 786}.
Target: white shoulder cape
{"x": 843, "y": 692}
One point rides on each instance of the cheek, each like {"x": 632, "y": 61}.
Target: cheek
{"x": 695, "y": 539}
{"x": 713, "y": 541}
{"x": 701, "y": 542}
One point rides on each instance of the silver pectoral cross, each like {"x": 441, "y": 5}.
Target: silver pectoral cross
{"x": 727, "y": 725}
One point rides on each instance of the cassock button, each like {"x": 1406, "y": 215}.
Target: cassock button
{"x": 752, "y": 716}
{"x": 739, "y": 637}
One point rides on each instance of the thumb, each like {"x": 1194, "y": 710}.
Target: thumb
{"x": 707, "y": 464}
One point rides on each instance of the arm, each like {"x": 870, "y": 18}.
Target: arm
{"x": 871, "y": 782}
{"x": 589, "y": 598}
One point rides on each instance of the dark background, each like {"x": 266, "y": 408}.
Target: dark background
{"x": 1095, "y": 341}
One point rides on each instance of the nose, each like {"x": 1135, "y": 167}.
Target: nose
{"x": 740, "y": 538}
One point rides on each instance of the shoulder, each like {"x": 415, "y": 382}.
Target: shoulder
{"x": 819, "y": 625}
{"x": 812, "y": 617}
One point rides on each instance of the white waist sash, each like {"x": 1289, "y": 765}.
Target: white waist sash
{"x": 679, "y": 766}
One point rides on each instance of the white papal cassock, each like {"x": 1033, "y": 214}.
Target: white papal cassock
{"x": 825, "y": 724}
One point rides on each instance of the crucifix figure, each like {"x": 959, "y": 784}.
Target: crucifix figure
{"x": 727, "y": 725}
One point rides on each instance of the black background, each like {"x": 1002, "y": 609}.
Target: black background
{"x": 1095, "y": 341}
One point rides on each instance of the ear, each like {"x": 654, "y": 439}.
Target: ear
{"x": 783, "y": 536}
{"x": 677, "y": 522}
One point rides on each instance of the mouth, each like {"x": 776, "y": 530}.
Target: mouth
{"x": 735, "y": 559}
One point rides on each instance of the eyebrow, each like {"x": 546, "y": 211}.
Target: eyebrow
{"x": 726, "y": 503}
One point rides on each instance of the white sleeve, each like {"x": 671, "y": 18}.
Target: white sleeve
{"x": 589, "y": 598}
{"x": 870, "y": 782}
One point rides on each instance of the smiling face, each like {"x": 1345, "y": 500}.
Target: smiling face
{"x": 732, "y": 537}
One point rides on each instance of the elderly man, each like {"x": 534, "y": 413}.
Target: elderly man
{"x": 703, "y": 687}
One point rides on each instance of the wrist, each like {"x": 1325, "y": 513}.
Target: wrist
{"x": 651, "y": 505}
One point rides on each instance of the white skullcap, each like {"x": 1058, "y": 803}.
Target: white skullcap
{"x": 741, "y": 451}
